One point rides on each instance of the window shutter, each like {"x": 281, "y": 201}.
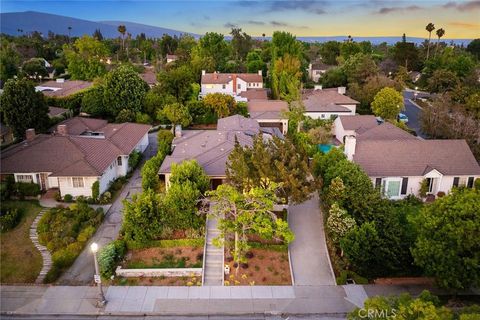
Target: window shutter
{"x": 470, "y": 182}
{"x": 404, "y": 186}
{"x": 378, "y": 182}
{"x": 456, "y": 180}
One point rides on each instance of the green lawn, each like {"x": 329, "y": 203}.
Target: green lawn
{"x": 21, "y": 262}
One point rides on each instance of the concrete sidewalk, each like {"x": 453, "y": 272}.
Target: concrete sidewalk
{"x": 124, "y": 300}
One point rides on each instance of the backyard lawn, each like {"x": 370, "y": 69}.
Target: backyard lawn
{"x": 21, "y": 262}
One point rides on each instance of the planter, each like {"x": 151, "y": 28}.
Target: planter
{"x": 157, "y": 272}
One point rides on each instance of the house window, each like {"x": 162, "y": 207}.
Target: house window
{"x": 378, "y": 182}
{"x": 224, "y": 86}
{"x": 27, "y": 178}
{"x": 404, "y": 186}
{"x": 119, "y": 161}
{"x": 470, "y": 182}
{"x": 462, "y": 182}
{"x": 209, "y": 86}
{"x": 393, "y": 188}
{"x": 456, "y": 180}
{"x": 239, "y": 86}
{"x": 322, "y": 116}
{"x": 430, "y": 184}
{"x": 77, "y": 182}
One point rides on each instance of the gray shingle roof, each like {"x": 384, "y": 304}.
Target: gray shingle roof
{"x": 358, "y": 121}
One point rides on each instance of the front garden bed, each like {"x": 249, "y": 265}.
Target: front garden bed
{"x": 177, "y": 257}
{"x": 160, "y": 281}
{"x": 266, "y": 265}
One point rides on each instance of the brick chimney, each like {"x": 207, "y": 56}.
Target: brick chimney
{"x": 342, "y": 90}
{"x": 30, "y": 134}
{"x": 203, "y": 72}
{"x": 62, "y": 129}
{"x": 350, "y": 146}
{"x": 260, "y": 72}
{"x": 215, "y": 75}
{"x": 235, "y": 83}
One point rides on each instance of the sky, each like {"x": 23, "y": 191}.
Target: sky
{"x": 460, "y": 19}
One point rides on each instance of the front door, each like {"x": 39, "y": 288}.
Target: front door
{"x": 43, "y": 181}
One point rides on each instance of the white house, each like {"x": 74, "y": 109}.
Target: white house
{"x": 79, "y": 152}
{"x": 328, "y": 103}
{"x": 230, "y": 83}
{"x": 317, "y": 69}
{"x": 398, "y": 162}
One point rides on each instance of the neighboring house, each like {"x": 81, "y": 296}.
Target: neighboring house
{"x": 269, "y": 113}
{"x": 230, "y": 83}
{"x": 414, "y": 76}
{"x": 6, "y": 135}
{"x": 61, "y": 88}
{"x": 211, "y": 148}
{"x": 398, "y": 162}
{"x": 317, "y": 69}
{"x": 328, "y": 103}
{"x": 171, "y": 58}
{"x": 57, "y": 112}
{"x": 80, "y": 152}
{"x": 149, "y": 76}
{"x": 254, "y": 94}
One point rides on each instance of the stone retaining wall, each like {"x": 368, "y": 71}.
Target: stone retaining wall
{"x": 174, "y": 272}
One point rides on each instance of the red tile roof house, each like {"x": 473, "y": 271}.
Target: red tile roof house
{"x": 398, "y": 162}
{"x": 79, "y": 152}
{"x": 62, "y": 88}
{"x": 211, "y": 148}
{"x": 230, "y": 83}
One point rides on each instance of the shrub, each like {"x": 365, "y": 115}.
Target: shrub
{"x": 477, "y": 183}
{"x": 27, "y": 189}
{"x": 164, "y": 139}
{"x": 68, "y": 198}
{"x": 86, "y": 234}
{"x": 106, "y": 197}
{"x": 109, "y": 257}
{"x": 134, "y": 159}
{"x": 58, "y": 196}
{"x": 63, "y": 258}
{"x": 9, "y": 219}
{"x": 95, "y": 190}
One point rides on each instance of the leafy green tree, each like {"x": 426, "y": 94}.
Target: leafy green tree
{"x": 448, "y": 243}
{"x": 334, "y": 77}
{"x": 213, "y": 46}
{"x": 387, "y": 103}
{"x": 149, "y": 172}
{"x": 143, "y": 216}
{"x": 442, "y": 81}
{"x": 339, "y": 223}
{"x": 222, "y": 104}
{"x": 285, "y": 43}
{"x": 177, "y": 82}
{"x": 286, "y": 78}
{"x": 125, "y": 115}
{"x": 404, "y": 307}
{"x": 246, "y": 213}
{"x": 124, "y": 89}
{"x": 330, "y": 51}
{"x": 254, "y": 62}
{"x": 168, "y": 44}
{"x": 241, "y": 44}
{"x": 92, "y": 102}
{"x": 359, "y": 67}
{"x": 474, "y": 48}
{"x": 348, "y": 49}
{"x": 84, "y": 58}
{"x": 177, "y": 113}
{"x": 22, "y": 107}
{"x": 35, "y": 68}
{"x": 190, "y": 172}
{"x": 406, "y": 54}
{"x": 366, "y": 93}
{"x": 9, "y": 61}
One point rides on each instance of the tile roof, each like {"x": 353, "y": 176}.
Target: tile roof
{"x": 54, "y": 111}
{"x": 149, "y": 76}
{"x": 224, "y": 78}
{"x": 267, "y": 109}
{"x": 254, "y": 94}
{"x": 324, "y": 100}
{"x": 412, "y": 157}
{"x": 66, "y": 88}
{"x": 357, "y": 122}
{"x": 74, "y": 154}
{"x": 211, "y": 148}
{"x": 385, "y": 131}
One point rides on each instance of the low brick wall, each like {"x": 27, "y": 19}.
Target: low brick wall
{"x": 174, "y": 272}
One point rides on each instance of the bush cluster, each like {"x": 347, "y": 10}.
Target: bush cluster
{"x": 9, "y": 218}
{"x": 65, "y": 231}
{"x": 134, "y": 159}
{"x": 23, "y": 189}
{"x": 109, "y": 256}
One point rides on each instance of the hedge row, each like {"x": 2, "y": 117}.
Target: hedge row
{"x": 196, "y": 243}
{"x": 272, "y": 247}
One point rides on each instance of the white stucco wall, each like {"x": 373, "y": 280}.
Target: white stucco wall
{"x": 108, "y": 176}
{"x": 143, "y": 144}
{"x": 66, "y": 186}
{"x": 218, "y": 88}
{"x": 339, "y": 131}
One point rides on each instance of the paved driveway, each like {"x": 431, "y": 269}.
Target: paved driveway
{"x": 413, "y": 112}
{"x": 308, "y": 252}
{"x": 81, "y": 272}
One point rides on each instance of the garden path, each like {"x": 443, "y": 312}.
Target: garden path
{"x": 213, "y": 266}
{"x": 46, "y": 256}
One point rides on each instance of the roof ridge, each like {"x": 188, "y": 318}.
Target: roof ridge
{"x": 84, "y": 153}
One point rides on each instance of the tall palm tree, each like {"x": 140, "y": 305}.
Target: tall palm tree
{"x": 122, "y": 29}
{"x": 430, "y": 27}
{"x": 440, "y": 33}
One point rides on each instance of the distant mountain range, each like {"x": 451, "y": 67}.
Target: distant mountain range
{"x": 29, "y": 21}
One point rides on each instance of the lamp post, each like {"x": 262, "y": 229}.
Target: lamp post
{"x": 415, "y": 94}
{"x": 101, "y": 297}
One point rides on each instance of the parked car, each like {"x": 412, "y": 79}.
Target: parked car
{"x": 402, "y": 117}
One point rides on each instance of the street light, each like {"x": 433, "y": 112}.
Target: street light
{"x": 415, "y": 94}
{"x": 101, "y": 297}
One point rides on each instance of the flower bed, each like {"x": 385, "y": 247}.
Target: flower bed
{"x": 266, "y": 265}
